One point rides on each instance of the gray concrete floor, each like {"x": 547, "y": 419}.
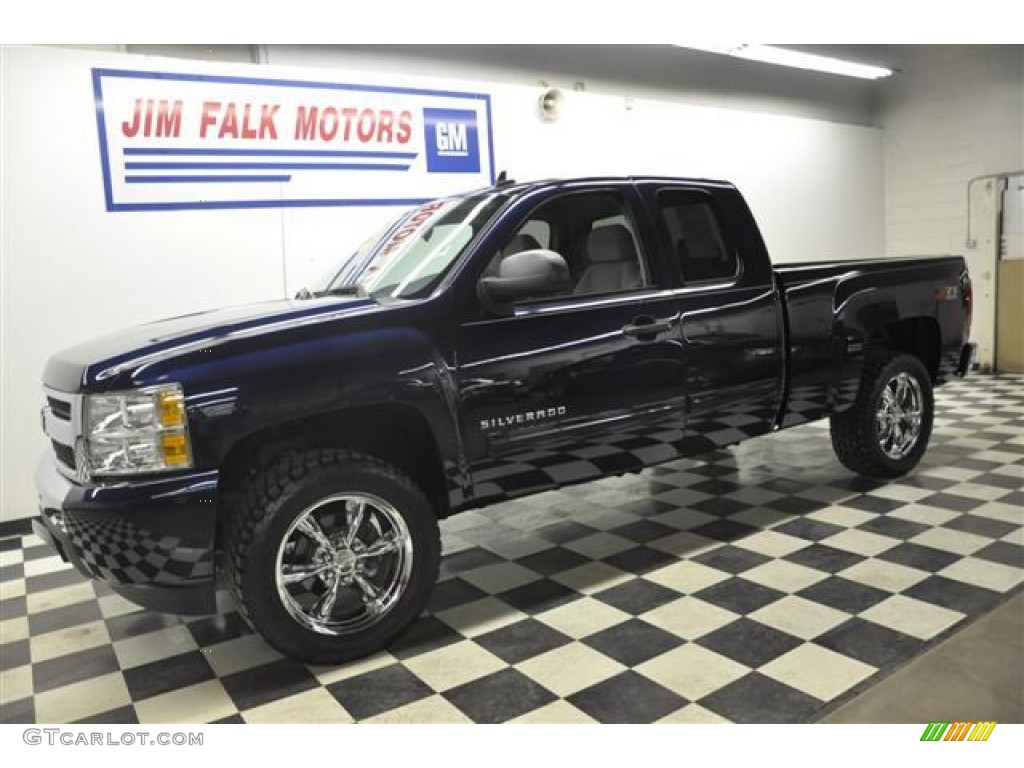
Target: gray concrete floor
{"x": 977, "y": 674}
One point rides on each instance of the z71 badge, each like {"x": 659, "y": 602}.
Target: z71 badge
{"x": 523, "y": 419}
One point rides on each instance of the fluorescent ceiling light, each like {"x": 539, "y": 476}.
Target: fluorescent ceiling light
{"x": 786, "y": 57}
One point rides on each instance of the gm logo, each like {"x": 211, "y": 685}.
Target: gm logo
{"x": 451, "y": 141}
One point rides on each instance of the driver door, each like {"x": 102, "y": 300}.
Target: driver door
{"x": 569, "y": 387}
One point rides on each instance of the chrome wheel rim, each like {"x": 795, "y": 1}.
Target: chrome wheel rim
{"x": 344, "y": 563}
{"x": 899, "y": 415}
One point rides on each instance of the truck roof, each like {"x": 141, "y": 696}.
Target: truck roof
{"x": 518, "y": 187}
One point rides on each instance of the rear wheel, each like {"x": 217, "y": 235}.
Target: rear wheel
{"x": 332, "y": 555}
{"x": 886, "y": 432}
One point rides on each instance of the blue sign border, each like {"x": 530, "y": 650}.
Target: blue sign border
{"x": 98, "y": 74}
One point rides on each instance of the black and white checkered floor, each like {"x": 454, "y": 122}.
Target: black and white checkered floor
{"x": 759, "y": 584}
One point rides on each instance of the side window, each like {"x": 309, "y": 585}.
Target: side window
{"x": 594, "y": 233}
{"x": 535, "y": 233}
{"x": 696, "y": 237}
{"x": 537, "y": 230}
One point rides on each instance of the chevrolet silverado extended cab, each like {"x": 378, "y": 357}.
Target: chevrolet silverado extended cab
{"x": 482, "y": 347}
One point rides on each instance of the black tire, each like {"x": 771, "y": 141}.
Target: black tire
{"x": 855, "y": 432}
{"x": 275, "y": 500}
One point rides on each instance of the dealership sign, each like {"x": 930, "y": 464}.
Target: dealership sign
{"x": 174, "y": 141}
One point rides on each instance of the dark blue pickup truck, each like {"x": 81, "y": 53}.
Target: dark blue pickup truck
{"x": 482, "y": 347}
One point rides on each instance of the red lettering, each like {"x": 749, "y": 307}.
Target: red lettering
{"x": 398, "y": 238}
{"x": 130, "y": 129}
{"x": 230, "y": 125}
{"x": 149, "y": 118}
{"x": 367, "y": 125}
{"x": 209, "y": 118}
{"x": 404, "y": 127}
{"x": 267, "y": 127}
{"x": 168, "y": 120}
{"x": 329, "y": 129}
{"x": 411, "y": 226}
{"x": 348, "y": 113}
{"x": 385, "y": 125}
{"x": 337, "y": 123}
{"x": 248, "y": 131}
{"x": 305, "y": 124}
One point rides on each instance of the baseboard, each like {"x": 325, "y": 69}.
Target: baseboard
{"x": 20, "y": 527}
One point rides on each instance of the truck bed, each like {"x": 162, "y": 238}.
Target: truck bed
{"x": 834, "y": 310}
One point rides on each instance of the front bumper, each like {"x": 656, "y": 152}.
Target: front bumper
{"x": 151, "y": 540}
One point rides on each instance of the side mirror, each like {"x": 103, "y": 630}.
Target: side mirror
{"x": 527, "y": 274}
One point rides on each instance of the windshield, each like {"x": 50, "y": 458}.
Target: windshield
{"x": 407, "y": 257}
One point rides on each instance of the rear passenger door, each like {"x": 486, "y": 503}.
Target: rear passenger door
{"x": 730, "y": 314}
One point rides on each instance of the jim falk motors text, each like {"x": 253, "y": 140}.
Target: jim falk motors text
{"x": 231, "y": 120}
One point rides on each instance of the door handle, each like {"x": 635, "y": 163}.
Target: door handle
{"x": 646, "y": 328}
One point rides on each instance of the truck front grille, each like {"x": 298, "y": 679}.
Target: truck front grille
{"x": 61, "y": 408}
{"x": 65, "y": 454}
{"x": 62, "y": 423}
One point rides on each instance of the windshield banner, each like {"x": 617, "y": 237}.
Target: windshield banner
{"x": 171, "y": 141}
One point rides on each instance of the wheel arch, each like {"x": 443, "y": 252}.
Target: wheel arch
{"x": 917, "y": 336}
{"x": 395, "y": 433}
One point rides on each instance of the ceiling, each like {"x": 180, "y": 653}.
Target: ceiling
{"x": 653, "y": 71}
{"x": 663, "y": 71}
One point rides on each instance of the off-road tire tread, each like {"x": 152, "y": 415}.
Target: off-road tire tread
{"x": 853, "y": 431}
{"x": 288, "y": 469}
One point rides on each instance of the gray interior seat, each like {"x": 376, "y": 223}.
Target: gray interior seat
{"x": 613, "y": 263}
{"x": 701, "y": 252}
{"x": 703, "y": 260}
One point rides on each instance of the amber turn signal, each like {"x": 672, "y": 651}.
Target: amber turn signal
{"x": 171, "y": 408}
{"x": 174, "y": 446}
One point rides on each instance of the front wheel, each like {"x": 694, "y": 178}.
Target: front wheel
{"x": 332, "y": 555}
{"x": 886, "y": 431}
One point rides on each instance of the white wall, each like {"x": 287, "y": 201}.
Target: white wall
{"x": 953, "y": 113}
{"x": 71, "y": 270}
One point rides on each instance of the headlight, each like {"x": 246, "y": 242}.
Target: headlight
{"x": 144, "y": 430}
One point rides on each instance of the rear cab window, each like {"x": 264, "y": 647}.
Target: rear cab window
{"x": 696, "y": 237}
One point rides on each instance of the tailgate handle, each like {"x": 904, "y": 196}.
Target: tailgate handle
{"x": 646, "y": 328}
